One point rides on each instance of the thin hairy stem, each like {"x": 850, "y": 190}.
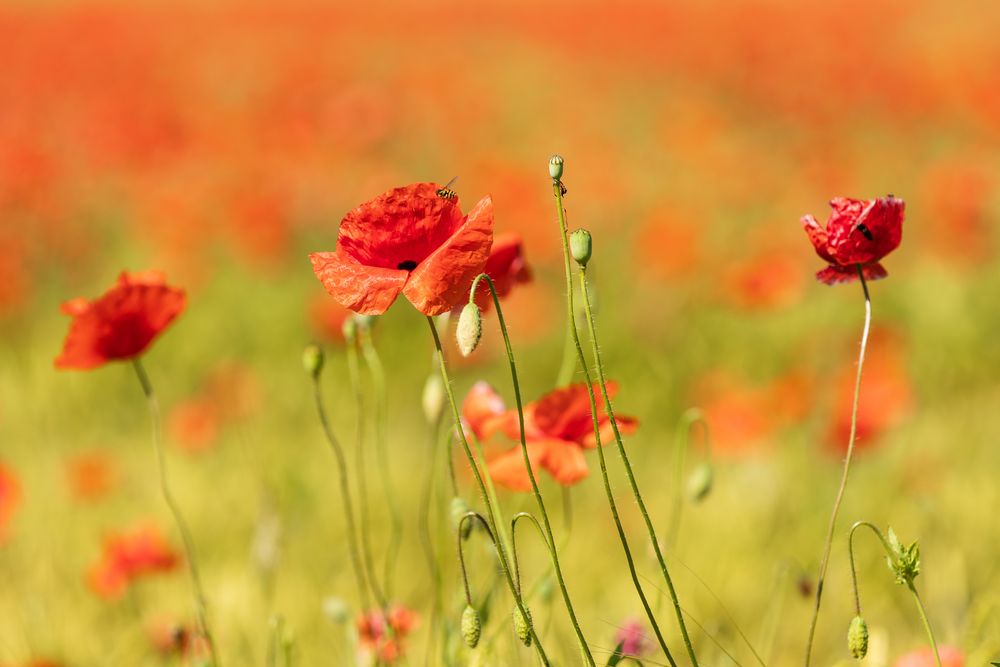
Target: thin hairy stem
{"x": 927, "y": 625}
{"x": 599, "y": 365}
{"x": 828, "y": 544}
{"x": 201, "y": 603}
{"x": 547, "y": 534}
{"x": 682, "y": 441}
{"x": 477, "y": 474}
{"x": 581, "y": 357}
{"x": 345, "y": 494}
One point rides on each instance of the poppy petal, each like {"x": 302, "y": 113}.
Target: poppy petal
{"x": 368, "y": 290}
{"x": 508, "y": 469}
{"x": 626, "y": 426}
{"x": 442, "y": 280}
{"x": 482, "y": 408}
{"x": 566, "y": 462}
{"x": 817, "y": 236}
{"x": 834, "y": 274}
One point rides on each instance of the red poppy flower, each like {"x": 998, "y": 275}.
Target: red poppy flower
{"x": 373, "y": 637}
{"x": 10, "y": 496}
{"x": 950, "y": 657}
{"x": 410, "y": 240}
{"x": 122, "y": 323}
{"x": 857, "y": 232}
{"x": 557, "y": 428}
{"x": 506, "y": 267}
{"x": 128, "y": 556}
{"x": 91, "y": 475}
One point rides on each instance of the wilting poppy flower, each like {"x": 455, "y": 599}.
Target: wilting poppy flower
{"x": 557, "y": 428}
{"x": 128, "y": 556}
{"x": 950, "y": 657}
{"x": 372, "y": 635}
{"x": 122, "y": 323}
{"x": 506, "y": 267}
{"x": 413, "y": 239}
{"x": 857, "y": 232}
{"x": 633, "y": 638}
{"x": 10, "y": 496}
{"x": 90, "y": 475}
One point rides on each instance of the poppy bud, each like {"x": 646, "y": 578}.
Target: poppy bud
{"x": 459, "y": 508}
{"x": 522, "y": 625}
{"x": 433, "y": 398}
{"x": 469, "y": 330}
{"x": 699, "y": 484}
{"x": 857, "y": 637}
{"x": 581, "y": 246}
{"x": 472, "y": 628}
{"x": 556, "y": 167}
{"x": 312, "y": 360}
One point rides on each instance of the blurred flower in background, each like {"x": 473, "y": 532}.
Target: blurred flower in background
{"x": 130, "y": 555}
{"x": 10, "y": 497}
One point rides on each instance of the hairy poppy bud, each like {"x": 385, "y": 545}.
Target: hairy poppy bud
{"x": 472, "y": 628}
{"x": 312, "y": 360}
{"x": 857, "y": 637}
{"x": 580, "y": 246}
{"x": 469, "y": 330}
{"x": 433, "y": 398}
{"x": 522, "y": 625}
{"x": 699, "y": 484}
{"x": 459, "y": 508}
{"x": 556, "y": 167}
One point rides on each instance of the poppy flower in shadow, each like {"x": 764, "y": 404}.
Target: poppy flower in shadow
{"x": 412, "y": 240}
{"x": 506, "y": 267}
{"x": 128, "y": 556}
{"x": 122, "y": 323}
{"x": 858, "y": 232}
{"x": 10, "y": 497}
{"x": 557, "y": 428}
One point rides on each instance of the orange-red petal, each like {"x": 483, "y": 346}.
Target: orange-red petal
{"x": 368, "y": 290}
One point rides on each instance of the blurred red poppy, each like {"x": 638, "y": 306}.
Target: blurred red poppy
{"x": 924, "y": 657}
{"x": 91, "y": 475}
{"x": 10, "y": 497}
{"x": 193, "y": 425}
{"x": 557, "y": 428}
{"x": 122, "y": 323}
{"x": 857, "y": 232}
{"x": 483, "y": 410}
{"x": 413, "y": 239}
{"x": 130, "y": 555}
{"x": 506, "y": 267}
{"x": 373, "y": 637}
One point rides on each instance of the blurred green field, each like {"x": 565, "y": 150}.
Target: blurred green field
{"x": 693, "y": 143}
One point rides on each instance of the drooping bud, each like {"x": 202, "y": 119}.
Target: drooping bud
{"x": 312, "y": 360}
{"x": 469, "y": 330}
{"x": 581, "y": 246}
{"x": 433, "y": 398}
{"x": 857, "y": 637}
{"x": 459, "y": 508}
{"x": 472, "y": 627}
{"x": 556, "y": 167}
{"x": 699, "y": 484}
{"x": 522, "y": 625}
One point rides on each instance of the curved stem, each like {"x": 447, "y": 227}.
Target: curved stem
{"x": 475, "y": 468}
{"x": 513, "y": 541}
{"x": 612, "y": 504}
{"x": 377, "y": 371}
{"x": 345, "y": 493}
{"x": 599, "y": 364}
{"x": 461, "y": 549}
{"x": 682, "y": 440}
{"x": 547, "y": 533}
{"x": 825, "y": 560}
{"x": 201, "y": 604}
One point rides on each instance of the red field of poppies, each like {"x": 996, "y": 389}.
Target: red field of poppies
{"x": 499, "y": 334}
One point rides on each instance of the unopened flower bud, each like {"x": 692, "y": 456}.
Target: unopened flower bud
{"x": 699, "y": 484}
{"x": 469, "y": 330}
{"x": 522, "y": 625}
{"x": 312, "y": 360}
{"x": 472, "y": 628}
{"x": 857, "y": 637}
{"x": 581, "y": 246}
{"x": 556, "y": 167}
{"x": 459, "y": 508}
{"x": 433, "y": 398}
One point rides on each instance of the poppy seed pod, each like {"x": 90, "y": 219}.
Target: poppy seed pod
{"x": 556, "y": 167}
{"x": 522, "y": 625}
{"x": 459, "y": 508}
{"x": 469, "y": 330}
{"x": 857, "y": 637}
{"x": 581, "y": 246}
{"x": 699, "y": 484}
{"x": 312, "y": 360}
{"x": 472, "y": 627}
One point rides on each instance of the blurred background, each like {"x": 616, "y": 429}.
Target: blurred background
{"x": 222, "y": 142}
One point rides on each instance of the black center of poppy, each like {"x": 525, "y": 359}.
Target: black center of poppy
{"x": 408, "y": 265}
